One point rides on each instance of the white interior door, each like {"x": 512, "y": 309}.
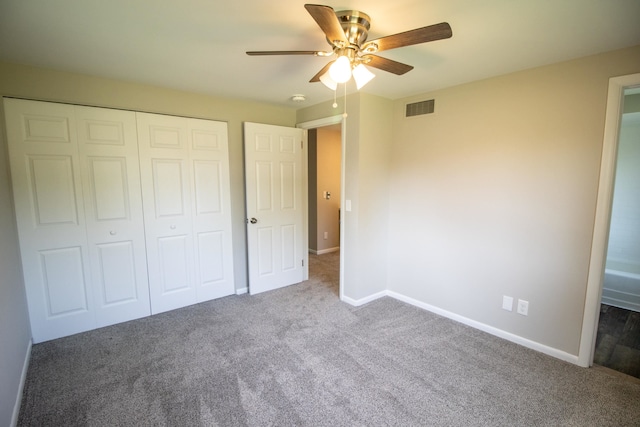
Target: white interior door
{"x": 275, "y": 206}
{"x": 108, "y": 146}
{"x": 45, "y": 171}
{"x": 166, "y": 193}
{"x": 211, "y": 206}
{"x": 186, "y": 195}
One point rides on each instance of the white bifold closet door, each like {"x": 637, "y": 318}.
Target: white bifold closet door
{"x": 185, "y": 187}
{"x": 120, "y": 214}
{"x": 79, "y": 214}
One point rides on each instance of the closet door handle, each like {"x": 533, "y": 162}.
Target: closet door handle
{"x": 172, "y": 226}
{"x": 113, "y": 232}
{"x": 253, "y": 220}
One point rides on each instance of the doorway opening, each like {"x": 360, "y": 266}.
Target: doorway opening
{"x": 597, "y": 287}
{"x": 618, "y": 337}
{"x": 324, "y": 159}
{"x": 325, "y": 173}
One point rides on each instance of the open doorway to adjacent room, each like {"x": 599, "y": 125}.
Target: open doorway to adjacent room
{"x": 324, "y": 196}
{"x": 618, "y": 336}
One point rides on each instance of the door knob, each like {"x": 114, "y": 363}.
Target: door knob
{"x": 253, "y": 220}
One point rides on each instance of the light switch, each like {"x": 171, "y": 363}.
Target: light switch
{"x": 347, "y": 205}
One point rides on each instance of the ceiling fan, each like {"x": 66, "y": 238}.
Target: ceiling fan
{"x": 346, "y": 32}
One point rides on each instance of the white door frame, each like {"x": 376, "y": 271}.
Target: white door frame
{"x": 615, "y": 100}
{"x": 313, "y": 124}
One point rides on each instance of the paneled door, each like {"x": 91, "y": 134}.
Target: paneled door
{"x": 186, "y": 198}
{"x": 275, "y": 214}
{"x": 164, "y": 163}
{"x": 211, "y": 207}
{"x": 108, "y": 146}
{"x": 45, "y": 171}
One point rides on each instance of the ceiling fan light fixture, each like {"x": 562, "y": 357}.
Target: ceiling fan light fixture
{"x": 340, "y": 70}
{"x": 362, "y": 75}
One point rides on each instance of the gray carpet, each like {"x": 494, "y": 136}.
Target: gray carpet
{"x": 300, "y": 357}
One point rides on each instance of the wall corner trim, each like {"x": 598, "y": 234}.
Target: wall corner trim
{"x": 23, "y": 379}
{"x": 365, "y": 300}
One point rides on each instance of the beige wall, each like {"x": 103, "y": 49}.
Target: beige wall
{"x": 328, "y": 179}
{"x": 494, "y": 194}
{"x": 47, "y": 85}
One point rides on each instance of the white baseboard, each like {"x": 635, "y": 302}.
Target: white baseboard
{"x": 242, "y": 291}
{"x": 23, "y": 379}
{"x": 324, "y": 251}
{"x": 553, "y": 352}
{"x": 362, "y": 301}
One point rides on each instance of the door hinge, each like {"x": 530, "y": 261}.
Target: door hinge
{"x": 303, "y": 263}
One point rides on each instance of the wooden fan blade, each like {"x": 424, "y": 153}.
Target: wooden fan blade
{"x": 387, "y": 64}
{"x": 327, "y": 20}
{"x": 316, "y": 78}
{"x": 285, "y": 52}
{"x": 419, "y": 35}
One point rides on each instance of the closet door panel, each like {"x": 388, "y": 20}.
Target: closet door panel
{"x": 107, "y": 142}
{"x": 45, "y": 172}
{"x": 166, "y": 194}
{"x": 208, "y": 153}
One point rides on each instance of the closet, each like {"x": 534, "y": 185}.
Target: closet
{"x": 120, "y": 214}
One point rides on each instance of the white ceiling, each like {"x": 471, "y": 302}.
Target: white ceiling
{"x": 199, "y": 45}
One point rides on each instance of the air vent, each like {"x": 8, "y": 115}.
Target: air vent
{"x": 420, "y": 108}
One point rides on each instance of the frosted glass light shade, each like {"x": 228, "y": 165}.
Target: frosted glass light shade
{"x": 328, "y": 81}
{"x": 362, "y": 75}
{"x": 340, "y": 70}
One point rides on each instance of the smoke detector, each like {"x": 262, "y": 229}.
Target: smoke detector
{"x": 298, "y": 98}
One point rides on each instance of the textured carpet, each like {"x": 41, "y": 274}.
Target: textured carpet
{"x": 298, "y": 356}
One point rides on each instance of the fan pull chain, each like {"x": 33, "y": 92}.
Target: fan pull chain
{"x": 344, "y": 112}
{"x": 335, "y": 100}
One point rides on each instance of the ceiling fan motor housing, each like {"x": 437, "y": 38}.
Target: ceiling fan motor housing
{"x": 355, "y": 25}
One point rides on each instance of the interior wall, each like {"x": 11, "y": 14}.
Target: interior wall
{"x": 367, "y": 145}
{"x": 494, "y": 194}
{"x": 49, "y": 85}
{"x": 328, "y": 179}
{"x": 15, "y": 332}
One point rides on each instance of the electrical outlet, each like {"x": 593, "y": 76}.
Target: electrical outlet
{"x": 523, "y": 307}
{"x": 507, "y": 303}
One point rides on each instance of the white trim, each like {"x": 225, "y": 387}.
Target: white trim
{"x": 324, "y": 251}
{"x": 362, "y": 301}
{"x": 554, "y": 352}
{"x": 327, "y": 121}
{"x": 597, "y": 259}
{"x": 241, "y": 291}
{"x": 23, "y": 379}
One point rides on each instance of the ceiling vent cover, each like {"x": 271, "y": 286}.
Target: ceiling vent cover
{"x": 420, "y": 108}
